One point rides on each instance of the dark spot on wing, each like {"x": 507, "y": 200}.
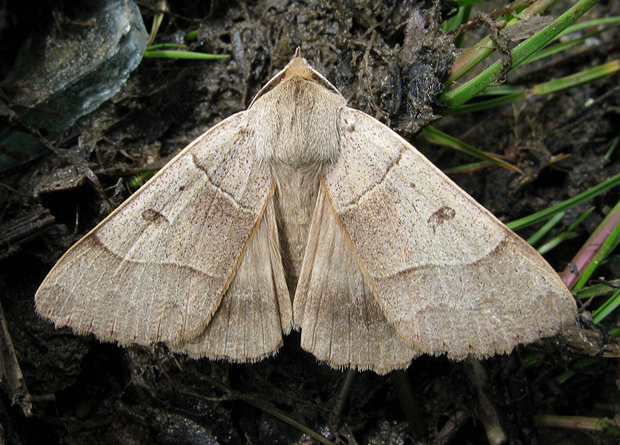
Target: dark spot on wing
{"x": 152, "y": 215}
{"x": 440, "y": 216}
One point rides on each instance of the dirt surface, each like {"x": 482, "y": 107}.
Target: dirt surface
{"x": 388, "y": 59}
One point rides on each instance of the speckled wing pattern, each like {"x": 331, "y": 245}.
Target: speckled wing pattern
{"x": 398, "y": 261}
{"x": 447, "y": 275}
{"x": 160, "y": 266}
{"x": 335, "y": 306}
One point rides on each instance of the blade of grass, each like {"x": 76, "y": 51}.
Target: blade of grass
{"x": 612, "y": 148}
{"x": 158, "y": 18}
{"x": 580, "y": 364}
{"x": 191, "y": 36}
{"x": 461, "y": 17}
{"x": 462, "y": 94}
{"x": 467, "y": 2}
{"x": 486, "y": 104}
{"x": 546, "y": 52}
{"x": 615, "y": 332}
{"x": 591, "y": 24}
{"x": 553, "y": 221}
{"x": 263, "y": 405}
{"x": 269, "y": 408}
{"x": 467, "y": 167}
{"x": 165, "y": 45}
{"x": 476, "y": 54}
{"x": 548, "y": 213}
{"x": 579, "y": 220}
{"x": 576, "y": 423}
{"x": 140, "y": 179}
{"x": 612, "y": 303}
{"x": 564, "y": 236}
{"x": 501, "y": 90}
{"x": 518, "y": 94}
{"x": 440, "y": 138}
{"x": 553, "y": 243}
{"x": 594, "y": 251}
{"x": 598, "y": 290}
{"x": 185, "y": 55}
{"x": 607, "y": 69}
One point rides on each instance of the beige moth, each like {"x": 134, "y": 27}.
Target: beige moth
{"x": 302, "y": 213}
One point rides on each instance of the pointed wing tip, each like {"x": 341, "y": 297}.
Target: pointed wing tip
{"x": 496, "y": 342}
{"x": 44, "y": 306}
{"x": 507, "y": 347}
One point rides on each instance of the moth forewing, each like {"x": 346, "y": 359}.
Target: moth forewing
{"x": 157, "y": 268}
{"x": 341, "y": 321}
{"x": 448, "y": 275}
{"x": 302, "y": 212}
{"x": 256, "y": 308}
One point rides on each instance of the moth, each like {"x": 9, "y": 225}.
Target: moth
{"x": 302, "y": 213}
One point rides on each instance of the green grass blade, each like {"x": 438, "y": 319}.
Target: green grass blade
{"x": 598, "y": 290}
{"x": 461, "y": 17}
{"x": 548, "y": 213}
{"x": 564, "y": 236}
{"x": 546, "y": 52}
{"x": 486, "y": 104}
{"x": 576, "y": 79}
{"x": 555, "y": 242}
{"x": 467, "y": 167}
{"x": 612, "y": 148}
{"x": 520, "y": 54}
{"x": 579, "y": 220}
{"x": 476, "y": 54}
{"x": 553, "y": 86}
{"x": 540, "y": 233}
{"x": 440, "y": 138}
{"x": 594, "y": 251}
{"x": 185, "y": 55}
{"x": 606, "y": 308}
{"x": 467, "y": 2}
{"x": 516, "y": 94}
{"x": 269, "y": 408}
{"x": 166, "y": 45}
{"x": 614, "y": 332}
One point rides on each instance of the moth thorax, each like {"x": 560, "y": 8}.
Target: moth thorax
{"x": 302, "y": 148}
{"x": 303, "y": 122}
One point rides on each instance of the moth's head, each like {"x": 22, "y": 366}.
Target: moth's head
{"x": 298, "y": 67}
